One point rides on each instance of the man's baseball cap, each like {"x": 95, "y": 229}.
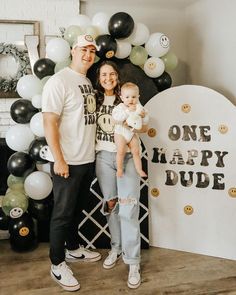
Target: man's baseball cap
{"x": 85, "y": 40}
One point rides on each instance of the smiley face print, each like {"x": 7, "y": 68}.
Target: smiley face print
{"x": 106, "y": 124}
{"x": 232, "y": 192}
{"x": 24, "y": 231}
{"x": 164, "y": 41}
{"x": 110, "y": 54}
{"x": 223, "y": 129}
{"x": 188, "y": 210}
{"x": 16, "y": 212}
{"x": 91, "y": 104}
{"x": 186, "y": 108}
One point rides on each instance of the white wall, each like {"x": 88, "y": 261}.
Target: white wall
{"x": 212, "y": 45}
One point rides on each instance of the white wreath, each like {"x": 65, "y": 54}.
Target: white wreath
{"x": 23, "y": 68}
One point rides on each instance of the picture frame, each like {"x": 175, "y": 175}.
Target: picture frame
{"x": 12, "y": 44}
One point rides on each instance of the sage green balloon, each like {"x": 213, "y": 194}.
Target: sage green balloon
{"x": 138, "y": 55}
{"x": 170, "y": 61}
{"x": 14, "y": 180}
{"x": 63, "y": 64}
{"x": 71, "y": 33}
{"x": 14, "y": 199}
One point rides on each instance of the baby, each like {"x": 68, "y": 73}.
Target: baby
{"x": 128, "y": 116}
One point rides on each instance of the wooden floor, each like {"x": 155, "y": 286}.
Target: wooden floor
{"x": 163, "y": 272}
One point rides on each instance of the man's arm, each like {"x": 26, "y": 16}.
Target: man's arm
{"x": 51, "y": 129}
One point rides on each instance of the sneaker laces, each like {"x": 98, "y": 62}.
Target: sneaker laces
{"x": 134, "y": 270}
{"x": 112, "y": 255}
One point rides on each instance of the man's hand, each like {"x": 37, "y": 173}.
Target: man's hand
{"x": 61, "y": 168}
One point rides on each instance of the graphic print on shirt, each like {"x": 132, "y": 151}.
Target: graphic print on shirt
{"x": 105, "y": 125}
{"x": 89, "y": 104}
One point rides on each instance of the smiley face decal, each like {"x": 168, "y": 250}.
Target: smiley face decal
{"x": 110, "y": 54}
{"x": 188, "y": 210}
{"x": 105, "y": 122}
{"x": 155, "y": 192}
{"x": 152, "y": 132}
{"x": 186, "y": 108}
{"x": 164, "y": 41}
{"x": 232, "y": 192}
{"x": 16, "y": 212}
{"x": 24, "y": 231}
{"x": 223, "y": 129}
{"x": 91, "y": 104}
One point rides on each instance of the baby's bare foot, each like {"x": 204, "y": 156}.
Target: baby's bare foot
{"x": 142, "y": 173}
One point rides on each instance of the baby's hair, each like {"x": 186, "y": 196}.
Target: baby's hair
{"x": 128, "y": 85}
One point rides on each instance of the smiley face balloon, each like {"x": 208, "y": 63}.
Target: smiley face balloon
{"x": 14, "y": 204}
{"x": 157, "y": 45}
{"x": 154, "y": 67}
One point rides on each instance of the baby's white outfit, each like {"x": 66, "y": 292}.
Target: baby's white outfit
{"x": 121, "y": 113}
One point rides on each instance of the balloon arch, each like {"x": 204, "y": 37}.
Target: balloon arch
{"x": 143, "y": 58}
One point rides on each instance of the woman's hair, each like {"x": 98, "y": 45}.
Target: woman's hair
{"x": 100, "y": 89}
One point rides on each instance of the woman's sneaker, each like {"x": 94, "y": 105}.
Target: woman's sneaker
{"x": 134, "y": 278}
{"x": 63, "y": 275}
{"x": 82, "y": 254}
{"x": 111, "y": 259}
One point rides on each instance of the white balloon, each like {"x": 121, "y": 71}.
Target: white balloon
{"x": 38, "y": 185}
{"x": 123, "y": 49}
{"x": 28, "y": 86}
{"x": 44, "y": 167}
{"x": 37, "y": 101}
{"x": 157, "y": 45}
{"x": 139, "y": 35}
{"x": 36, "y": 124}
{"x": 80, "y": 20}
{"x": 19, "y": 137}
{"x": 57, "y": 49}
{"x": 101, "y": 20}
{"x": 154, "y": 67}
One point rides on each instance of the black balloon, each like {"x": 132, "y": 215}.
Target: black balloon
{"x": 44, "y": 67}
{"x": 163, "y": 82}
{"x": 22, "y": 111}
{"x": 107, "y": 46}
{"x": 35, "y": 148}
{"x": 20, "y": 164}
{"x": 4, "y": 220}
{"x": 41, "y": 209}
{"x": 121, "y": 25}
{"x": 22, "y": 235}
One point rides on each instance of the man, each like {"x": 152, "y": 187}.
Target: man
{"x": 68, "y": 107}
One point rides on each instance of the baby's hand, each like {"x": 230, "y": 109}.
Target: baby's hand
{"x": 142, "y": 114}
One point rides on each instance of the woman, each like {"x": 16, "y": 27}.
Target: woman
{"x": 121, "y": 195}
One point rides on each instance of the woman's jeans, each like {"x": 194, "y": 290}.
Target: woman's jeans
{"x": 123, "y": 221}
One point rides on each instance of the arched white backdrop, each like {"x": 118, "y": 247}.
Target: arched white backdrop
{"x": 191, "y": 148}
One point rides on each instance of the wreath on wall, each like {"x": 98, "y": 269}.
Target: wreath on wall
{"x": 21, "y": 57}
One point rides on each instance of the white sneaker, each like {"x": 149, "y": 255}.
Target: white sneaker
{"x": 134, "y": 278}
{"x": 82, "y": 254}
{"x": 63, "y": 275}
{"x": 111, "y": 259}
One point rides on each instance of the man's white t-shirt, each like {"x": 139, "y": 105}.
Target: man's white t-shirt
{"x": 70, "y": 95}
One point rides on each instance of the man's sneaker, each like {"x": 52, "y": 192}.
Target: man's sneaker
{"x": 82, "y": 254}
{"x": 134, "y": 278}
{"x": 111, "y": 259}
{"x": 63, "y": 275}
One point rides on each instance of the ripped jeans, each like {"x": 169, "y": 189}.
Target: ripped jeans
{"x": 123, "y": 220}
